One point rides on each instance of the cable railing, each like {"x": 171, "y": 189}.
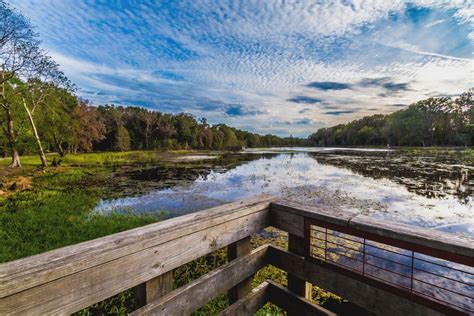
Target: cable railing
{"x": 400, "y": 268}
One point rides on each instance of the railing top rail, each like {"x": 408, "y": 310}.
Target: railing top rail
{"x": 429, "y": 241}
{"x": 22, "y": 274}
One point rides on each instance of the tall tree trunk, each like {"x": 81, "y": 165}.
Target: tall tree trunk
{"x": 59, "y": 146}
{"x": 9, "y": 131}
{"x": 12, "y": 140}
{"x": 16, "y": 163}
{"x": 35, "y": 133}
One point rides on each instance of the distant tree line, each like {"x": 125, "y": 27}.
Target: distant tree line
{"x": 135, "y": 128}
{"x": 431, "y": 122}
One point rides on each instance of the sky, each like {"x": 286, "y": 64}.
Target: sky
{"x": 266, "y": 66}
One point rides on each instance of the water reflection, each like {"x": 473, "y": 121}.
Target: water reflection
{"x": 137, "y": 180}
{"x": 383, "y": 185}
{"x": 434, "y": 176}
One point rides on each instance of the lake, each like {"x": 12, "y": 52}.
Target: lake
{"x": 428, "y": 188}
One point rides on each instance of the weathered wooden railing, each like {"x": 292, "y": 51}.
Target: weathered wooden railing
{"x": 322, "y": 244}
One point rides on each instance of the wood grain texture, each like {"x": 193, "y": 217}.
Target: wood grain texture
{"x": 445, "y": 243}
{"x": 29, "y": 272}
{"x": 353, "y": 290}
{"x": 250, "y": 303}
{"x": 159, "y": 286}
{"x": 190, "y": 297}
{"x": 321, "y": 212}
{"x": 86, "y": 287}
{"x": 293, "y": 303}
{"x": 287, "y": 221}
{"x": 66, "y": 280}
{"x": 296, "y": 285}
{"x": 238, "y": 249}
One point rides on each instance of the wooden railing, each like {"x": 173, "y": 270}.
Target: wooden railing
{"x": 69, "y": 279}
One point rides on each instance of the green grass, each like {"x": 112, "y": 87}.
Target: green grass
{"x": 89, "y": 159}
{"x": 470, "y": 154}
{"x": 109, "y": 158}
{"x": 56, "y": 213}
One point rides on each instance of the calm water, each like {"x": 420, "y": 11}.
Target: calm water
{"x": 424, "y": 189}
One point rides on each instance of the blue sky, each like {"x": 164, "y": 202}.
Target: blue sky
{"x": 283, "y": 67}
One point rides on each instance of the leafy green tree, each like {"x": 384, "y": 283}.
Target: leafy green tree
{"x": 166, "y": 130}
{"x": 57, "y": 121}
{"x": 430, "y": 122}
{"x": 20, "y": 58}
{"x": 122, "y": 139}
{"x": 186, "y": 128}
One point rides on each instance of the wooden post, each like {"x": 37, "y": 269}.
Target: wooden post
{"x": 159, "y": 286}
{"x": 153, "y": 289}
{"x": 235, "y": 250}
{"x": 298, "y": 286}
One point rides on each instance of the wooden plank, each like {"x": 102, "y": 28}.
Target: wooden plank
{"x": 355, "y": 291}
{"x": 153, "y": 289}
{"x": 294, "y": 304}
{"x": 296, "y": 285}
{"x": 234, "y": 251}
{"x": 79, "y": 290}
{"x": 159, "y": 286}
{"x": 250, "y": 303}
{"x": 190, "y": 297}
{"x": 461, "y": 248}
{"x": 319, "y": 212}
{"x": 286, "y": 221}
{"x": 19, "y": 275}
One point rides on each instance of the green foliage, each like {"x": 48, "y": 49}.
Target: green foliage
{"x": 122, "y": 139}
{"x": 155, "y": 130}
{"x": 430, "y": 122}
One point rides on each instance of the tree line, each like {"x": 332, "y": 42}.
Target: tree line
{"x": 135, "y": 128}
{"x": 41, "y": 113}
{"x": 441, "y": 121}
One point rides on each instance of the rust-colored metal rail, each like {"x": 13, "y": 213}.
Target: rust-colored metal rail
{"x": 439, "y": 280}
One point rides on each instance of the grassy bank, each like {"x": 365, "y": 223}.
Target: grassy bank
{"x": 41, "y": 210}
{"x": 46, "y": 209}
{"x": 29, "y": 163}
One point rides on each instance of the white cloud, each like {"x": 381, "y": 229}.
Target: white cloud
{"x": 258, "y": 54}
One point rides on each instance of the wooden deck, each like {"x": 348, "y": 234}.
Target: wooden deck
{"x": 69, "y": 279}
